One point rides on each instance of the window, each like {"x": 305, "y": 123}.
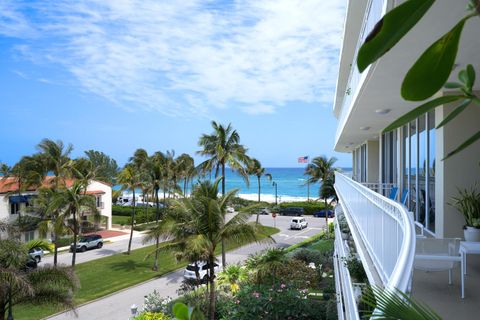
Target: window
{"x": 29, "y": 235}
{"x": 14, "y": 208}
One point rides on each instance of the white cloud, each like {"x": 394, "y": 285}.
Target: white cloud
{"x": 187, "y": 57}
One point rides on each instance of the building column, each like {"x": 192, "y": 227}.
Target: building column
{"x": 373, "y": 164}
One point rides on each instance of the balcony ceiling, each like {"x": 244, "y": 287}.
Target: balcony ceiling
{"x": 381, "y": 89}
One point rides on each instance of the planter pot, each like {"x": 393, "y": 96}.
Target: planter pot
{"x": 472, "y": 234}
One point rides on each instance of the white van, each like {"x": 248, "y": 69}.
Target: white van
{"x": 298, "y": 223}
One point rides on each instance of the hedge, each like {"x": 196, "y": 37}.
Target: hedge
{"x": 309, "y": 206}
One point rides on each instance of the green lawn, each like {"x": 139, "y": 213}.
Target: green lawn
{"x": 120, "y": 219}
{"x": 107, "y": 275}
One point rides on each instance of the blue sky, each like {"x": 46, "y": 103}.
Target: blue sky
{"x": 116, "y": 75}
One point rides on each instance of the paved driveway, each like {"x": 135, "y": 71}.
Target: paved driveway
{"x": 117, "y": 305}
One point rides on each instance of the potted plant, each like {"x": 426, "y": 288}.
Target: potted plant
{"x": 468, "y": 203}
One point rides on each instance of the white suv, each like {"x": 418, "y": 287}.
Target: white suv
{"x": 203, "y": 270}
{"x": 298, "y": 223}
{"x": 88, "y": 242}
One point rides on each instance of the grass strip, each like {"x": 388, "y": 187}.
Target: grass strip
{"x": 104, "y": 276}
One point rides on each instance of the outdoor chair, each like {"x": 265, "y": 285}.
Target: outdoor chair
{"x": 433, "y": 254}
{"x": 393, "y": 193}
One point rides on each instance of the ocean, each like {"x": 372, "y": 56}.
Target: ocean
{"x": 291, "y": 185}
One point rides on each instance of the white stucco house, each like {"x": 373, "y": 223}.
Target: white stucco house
{"x": 13, "y": 204}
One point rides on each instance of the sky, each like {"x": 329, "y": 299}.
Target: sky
{"x": 117, "y": 75}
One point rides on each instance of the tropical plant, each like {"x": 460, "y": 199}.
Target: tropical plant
{"x": 269, "y": 263}
{"x": 46, "y": 285}
{"x": 182, "y": 312}
{"x": 56, "y": 159}
{"x": 186, "y": 169}
{"x": 255, "y": 168}
{"x": 198, "y": 226}
{"x": 322, "y": 169}
{"x": 468, "y": 203}
{"x": 107, "y": 168}
{"x": 395, "y": 304}
{"x": 223, "y": 148}
{"x": 129, "y": 178}
{"x": 232, "y": 276}
{"x": 48, "y": 205}
{"x": 432, "y": 69}
{"x": 75, "y": 200}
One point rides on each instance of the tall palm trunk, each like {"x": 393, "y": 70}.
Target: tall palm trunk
{"x": 259, "y": 189}
{"x": 145, "y": 196}
{"x": 157, "y": 240}
{"x": 211, "y": 281}
{"x": 224, "y": 258}
{"x": 185, "y": 187}
{"x": 55, "y": 251}
{"x": 326, "y": 215}
{"x": 132, "y": 224}
{"x": 75, "y": 234}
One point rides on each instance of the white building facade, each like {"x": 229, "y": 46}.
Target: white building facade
{"x": 14, "y": 204}
{"x": 408, "y": 159}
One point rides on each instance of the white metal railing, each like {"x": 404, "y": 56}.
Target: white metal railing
{"x": 382, "y": 188}
{"x": 385, "y": 228}
{"x": 346, "y": 303}
{"x": 374, "y": 12}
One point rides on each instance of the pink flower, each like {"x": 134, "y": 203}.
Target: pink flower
{"x": 256, "y": 294}
{"x": 282, "y": 286}
{"x": 237, "y": 302}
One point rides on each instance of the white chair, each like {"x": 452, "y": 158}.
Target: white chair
{"x": 433, "y": 254}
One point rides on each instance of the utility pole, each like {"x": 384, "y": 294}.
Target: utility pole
{"x": 275, "y": 185}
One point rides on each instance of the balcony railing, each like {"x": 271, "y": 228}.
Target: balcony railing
{"x": 384, "y": 229}
{"x": 374, "y": 12}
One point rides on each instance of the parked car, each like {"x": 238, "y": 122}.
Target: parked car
{"x": 292, "y": 211}
{"x": 36, "y": 253}
{"x": 230, "y": 209}
{"x": 321, "y": 214}
{"x": 30, "y": 264}
{"x": 88, "y": 242}
{"x": 298, "y": 223}
{"x": 203, "y": 270}
{"x": 265, "y": 211}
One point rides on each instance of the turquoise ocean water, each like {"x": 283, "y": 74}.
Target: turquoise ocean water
{"x": 291, "y": 183}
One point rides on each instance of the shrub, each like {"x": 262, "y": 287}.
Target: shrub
{"x": 152, "y": 316}
{"x": 268, "y": 302}
{"x": 309, "y": 206}
{"x": 355, "y": 268}
{"x": 155, "y": 303}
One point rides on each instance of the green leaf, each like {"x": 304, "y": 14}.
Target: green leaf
{"x": 180, "y": 311}
{"x": 464, "y": 145}
{"x": 455, "y": 113}
{"x": 432, "y": 69}
{"x": 470, "y": 76}
{"x": 462, "y": 76}
{"x": 415, "y": 113}
{"x": 390, "y": 29}
{"x": 453, "y": 85}
{"x": 477, "y": 101}
{"x": 197, "y": 314}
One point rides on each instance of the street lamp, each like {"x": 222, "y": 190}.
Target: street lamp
{"x": 275, "y": 185}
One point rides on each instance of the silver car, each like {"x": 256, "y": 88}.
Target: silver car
{"x": 36, "y": 253}
{"x": 88, "y": 242}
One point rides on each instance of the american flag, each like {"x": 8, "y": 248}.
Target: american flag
{"x": 303, "y": 159}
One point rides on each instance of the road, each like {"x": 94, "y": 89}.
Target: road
{"x": 118, "y": 244}
{"x": 117, "y": 305}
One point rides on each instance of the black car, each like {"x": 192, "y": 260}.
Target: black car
{"x": 292, "y": 211}
{"x": 321, "y": 214}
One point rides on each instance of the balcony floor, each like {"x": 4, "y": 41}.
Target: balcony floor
{"x": 433, "y": 289}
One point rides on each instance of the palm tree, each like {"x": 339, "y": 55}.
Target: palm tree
{"x": 321, "y": 169}
{"x": 56, "y": 157}
{"x": 198, "y": 224}
{"x": 48, "y": 205}
{"x": 74, "y": 200}
{"x": 186, "y": 169}
{"x": 129, "y": 178}
{"x": 107, "y": 168}
{"x": 46, "y": 285}
{"x": 223, "y": 148}
{"x": 269, "y": 263}
{"x": 255, "y": 168}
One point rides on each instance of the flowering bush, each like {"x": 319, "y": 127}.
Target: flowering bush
{"x": 153, "y": 302}
{"x": 271, "y": 302}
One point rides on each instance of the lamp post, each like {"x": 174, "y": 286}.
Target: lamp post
{"x": 275, "y": 185}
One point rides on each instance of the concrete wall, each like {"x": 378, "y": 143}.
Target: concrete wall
{"x": 460, "y": 171}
